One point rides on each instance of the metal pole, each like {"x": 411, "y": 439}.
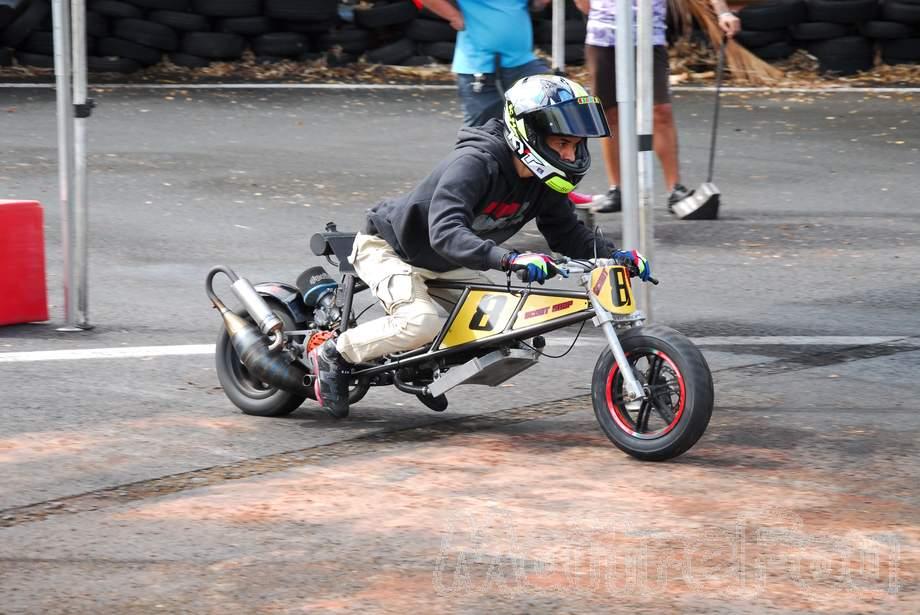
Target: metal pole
{"x": 60, "y": 15}
{"x": 82, "y": 108}
{"x": 645, "y": 125}
{"x": 559, "y": 36}
{"x": 626, "y": 106}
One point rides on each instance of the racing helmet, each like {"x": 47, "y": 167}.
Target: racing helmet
{"x": 543, "y": 105}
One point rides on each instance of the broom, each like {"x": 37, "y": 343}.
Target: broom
{"x": 743, "y": 65}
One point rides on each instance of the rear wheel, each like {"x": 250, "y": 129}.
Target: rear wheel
{"x": 247, "y": 392}
{"x": 679, "y": 392}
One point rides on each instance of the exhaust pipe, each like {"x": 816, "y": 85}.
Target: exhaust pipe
{"x": 265, "y": 364}
{"x": 261, "y": 359}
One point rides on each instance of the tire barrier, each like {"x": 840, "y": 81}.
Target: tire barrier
{"x": 842, "y": 34}
{"x": 126, "y": 35}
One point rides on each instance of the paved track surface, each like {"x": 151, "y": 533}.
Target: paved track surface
{"x": 132, "y": 485}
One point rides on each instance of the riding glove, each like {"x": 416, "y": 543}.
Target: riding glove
{"x": 635, "y": 263}
{"x": 530, "y": 266}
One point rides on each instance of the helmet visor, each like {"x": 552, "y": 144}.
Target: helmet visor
{"x": 580, "y": 117}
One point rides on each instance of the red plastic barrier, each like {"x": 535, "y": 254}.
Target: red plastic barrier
{"x": 23, "y": 296}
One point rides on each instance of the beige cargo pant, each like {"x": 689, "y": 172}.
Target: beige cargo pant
{"x": 413, "y": 318}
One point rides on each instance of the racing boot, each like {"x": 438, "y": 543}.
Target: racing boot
{"x": 332, "y": 374}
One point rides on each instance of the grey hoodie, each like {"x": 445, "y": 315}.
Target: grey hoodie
{"x": 473, "y": 201}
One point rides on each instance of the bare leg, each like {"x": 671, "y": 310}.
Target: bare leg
{"x": 665, "y": 143}
{"x": 610, "y": 147}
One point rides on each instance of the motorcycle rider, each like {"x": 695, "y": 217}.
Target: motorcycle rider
{"x": 450, "y": 226}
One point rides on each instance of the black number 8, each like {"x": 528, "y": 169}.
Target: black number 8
{"x": 488, "y": 310}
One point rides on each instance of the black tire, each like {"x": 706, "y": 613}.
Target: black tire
{"x": 122, "y": 66}
{"x": 443, "y": 52}
{"x": 214, "y": 45}
{"x": 246, "y": 26}
{"x": 351, "y": 40}
{"x": 381, "y": 16}
{"x": 820, "y": 30}
{"x": 147, "y": 33}
{"x": 841, "y": 11}
{"x": 903, "y": 49}
{"x": 280, "y": 44}
{"x": 6, "y": 57}
{"x": 886, "y": 30}
{"x": 844, "y": 46}
{"x": 761, "y": 38}
{"x": 28, "y": 21}
{"x": 893, "y": 61}
{"x": 247, "y": 393}
{"x": 430, "y": 31}
{"x": 164, "y": 5}
{"x": 677, "y": 368}
{"x": 313, "y": 10}
{"x": 901, "y": 12}
{"x": 394, "y": 53}
{"x": 227, "y": 8}
{"x": 182, "y": 22}
{"x": 96, "y": 24}
{"x": 774, "y": 51}
{"x": 117, "y": 10}
{"x": 187, "y": 60}
{"x": 39, "y": 42}
{"x": 143, "y": 55}
{"x": 36, "y": 60}
{"x": 418, "y": 61}
{"x": 772, "y": 14}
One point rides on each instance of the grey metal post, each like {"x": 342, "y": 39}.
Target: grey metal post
{"x": 626, "y": 106}
{"x": 80, "y": 210}
{"x": 645, "y": 124}
{"x": 60, "y": 15}
{"x": 559, "y": 35}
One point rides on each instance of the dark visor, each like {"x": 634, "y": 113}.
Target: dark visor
{"x": 581, "y": 117}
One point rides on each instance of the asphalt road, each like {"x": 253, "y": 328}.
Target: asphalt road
{"x": 818, "y": 238}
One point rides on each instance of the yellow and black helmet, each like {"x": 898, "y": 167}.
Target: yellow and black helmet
{"x": 543, "y": 105}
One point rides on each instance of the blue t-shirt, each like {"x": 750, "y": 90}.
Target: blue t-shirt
{"x": 493, "y": 27}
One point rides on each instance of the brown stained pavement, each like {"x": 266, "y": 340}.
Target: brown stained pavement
{"x": 539, "y": 516}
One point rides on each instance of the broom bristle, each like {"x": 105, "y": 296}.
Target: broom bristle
{"x": 742, "y": 64}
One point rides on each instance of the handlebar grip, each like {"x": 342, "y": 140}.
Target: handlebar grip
{"x": 653, "y": 280}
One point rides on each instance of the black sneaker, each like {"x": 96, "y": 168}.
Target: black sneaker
{"x": 609, "y": 203}
{"x": 332, "y": 375}
{"x": 679, "y": 193}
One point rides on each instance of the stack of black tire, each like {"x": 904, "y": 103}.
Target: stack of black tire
{"x": 126, "y": 35}
{"x": 841, "y": 34}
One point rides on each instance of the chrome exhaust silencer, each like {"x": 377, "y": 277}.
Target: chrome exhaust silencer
{"x": 262, "y": 362}
{"x": 261, "y": 359}
{"x": 252, "y": 302}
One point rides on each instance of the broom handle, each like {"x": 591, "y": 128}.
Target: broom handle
{"x": 715, "y": 119}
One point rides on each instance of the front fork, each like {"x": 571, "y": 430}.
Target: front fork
{"x": 602, "y": 318}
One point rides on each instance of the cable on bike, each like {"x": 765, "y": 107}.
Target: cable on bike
{"x": 551, "y": 356}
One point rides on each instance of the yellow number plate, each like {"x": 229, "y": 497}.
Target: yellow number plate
{"x": 612, "y": 288}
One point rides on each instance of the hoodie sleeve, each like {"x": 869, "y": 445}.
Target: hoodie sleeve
{"x": 565, "y": 233}
{"x": 462, "y": 186}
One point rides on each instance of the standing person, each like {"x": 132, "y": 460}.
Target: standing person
{"x": 451, "y": 225}
{"x": 600, "y": 54}
{"x": 494, "y": 46}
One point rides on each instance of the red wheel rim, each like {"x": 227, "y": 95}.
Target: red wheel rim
{"x": 657, "y": 404}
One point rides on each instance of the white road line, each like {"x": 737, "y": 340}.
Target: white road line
{"x": 387, "y": 86}
{"x": 105, "y": 353}
{"x": 137, "y": 352}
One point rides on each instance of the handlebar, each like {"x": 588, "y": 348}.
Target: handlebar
{"x": 588, "y": 264}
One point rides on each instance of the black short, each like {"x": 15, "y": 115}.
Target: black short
{"x": 603, "y": 67}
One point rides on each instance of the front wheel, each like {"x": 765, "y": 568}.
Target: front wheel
{"x": 679, "y": 394}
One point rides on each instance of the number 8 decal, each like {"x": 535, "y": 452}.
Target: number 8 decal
{"x": 488, "y": 310}
{"x": 619, "y": 290}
